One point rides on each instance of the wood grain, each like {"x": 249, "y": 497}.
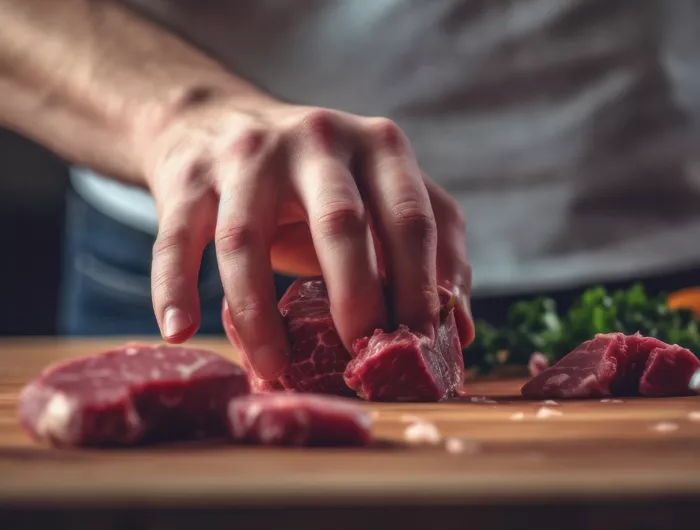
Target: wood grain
{"x": 594, "y": 452}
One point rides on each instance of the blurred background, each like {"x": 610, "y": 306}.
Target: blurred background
{"x": 34, "y": 184}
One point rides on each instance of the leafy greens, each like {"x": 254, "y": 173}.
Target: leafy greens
{"x": 536, "y": 326}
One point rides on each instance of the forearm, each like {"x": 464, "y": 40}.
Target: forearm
{"x": 93, "y": 81}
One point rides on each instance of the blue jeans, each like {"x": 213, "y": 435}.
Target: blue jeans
{"x": 106, "y": 285}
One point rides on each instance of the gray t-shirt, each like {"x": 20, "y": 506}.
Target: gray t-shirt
{"x": 565, "y": 128}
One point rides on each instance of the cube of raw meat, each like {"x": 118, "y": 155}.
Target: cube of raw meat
{"x": 293, "y": 419}
{"x": 619, "y": 365}
{"x": 407, "y": 366}
{"x": 131, "y": 395}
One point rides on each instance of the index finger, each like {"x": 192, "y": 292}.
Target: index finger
{"x": 244, "y": 231}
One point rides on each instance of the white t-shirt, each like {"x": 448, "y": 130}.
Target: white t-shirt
{"x": 563, "y": 127}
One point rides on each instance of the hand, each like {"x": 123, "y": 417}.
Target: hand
{"x": 305, "y": 191}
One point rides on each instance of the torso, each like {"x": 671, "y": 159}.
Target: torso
{"x": 538, "y": 124}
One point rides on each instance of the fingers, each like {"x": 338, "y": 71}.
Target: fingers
{"x": 453, "y": 268}
{"x": 186, "y": 221}
{"x": 245, "y": 225}
{"x": 405, "y": 223}
{"x": 343, "y": 244}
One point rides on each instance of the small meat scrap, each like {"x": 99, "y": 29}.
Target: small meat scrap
{"x": 457, "y": 446}
{"x": 537, "y": 364}
{"x": 517, "y": 416}
{"x": 615, "y": 364}
{"x": 131, "y": 395}
{"x": 550, "y": 402}
{"x": 545, "y": 412}
{"x": 422, "y": 432}
{"x": 694, "y": 415}
{"x": 296, "y": 419}
{"x": 665, "y": 426}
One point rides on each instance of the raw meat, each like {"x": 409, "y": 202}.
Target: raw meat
{"x": 406, "y": 366}
{"x": 615, "y": 364}
{"x": 293, "y": 419}
{"x": 317, "y": 355}
{"x": 131, "y": 395}
{"x": 399, "y": 365}
{"x": 537, "y": 364}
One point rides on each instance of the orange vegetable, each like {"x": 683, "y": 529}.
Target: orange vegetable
{"x": 685, "y": 299}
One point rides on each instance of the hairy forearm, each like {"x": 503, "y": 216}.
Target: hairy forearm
{"x": 93, "y": 81}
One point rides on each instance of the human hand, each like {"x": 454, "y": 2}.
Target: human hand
{"x": 304, "y": 191}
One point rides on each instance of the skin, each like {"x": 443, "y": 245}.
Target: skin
{"x": 277, "y": 186}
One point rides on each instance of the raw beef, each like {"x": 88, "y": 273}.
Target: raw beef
{"x": 615, "y": 364}
{"x": 293, "y": 419}
{"x": 537, "y": 364}
{"x": 400, "y": 365}
{"x": 406, "y": 366}
{"x": 317, "y": 355}
{"x": 131, "y": 395}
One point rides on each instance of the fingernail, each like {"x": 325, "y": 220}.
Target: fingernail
{"x": 270, "y": 363}
{"x": 175, "y": 322}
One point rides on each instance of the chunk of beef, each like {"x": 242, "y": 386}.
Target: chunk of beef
{"x": 132, "y": 395}
{"x": 427, "y": 370}
{"x": 618, "y": 365}
{"x": 294, "y": 419}
{"x": 407, "y": 366}
{"x": 317, "y": 355}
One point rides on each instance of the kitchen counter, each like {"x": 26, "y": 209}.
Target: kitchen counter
{"x": 630, "y": 464}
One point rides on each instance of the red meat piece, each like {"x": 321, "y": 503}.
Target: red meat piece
{"x": 293, "y": 419}
{"x": 619, "y": 365}
{"x": 130, "y": 395}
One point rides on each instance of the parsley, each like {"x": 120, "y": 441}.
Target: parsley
{"x": 537, "y": 326}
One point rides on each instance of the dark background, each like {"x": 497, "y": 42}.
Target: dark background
{"x": 33, "y": 184}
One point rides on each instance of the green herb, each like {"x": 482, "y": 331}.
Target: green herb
{"x": 536, "y": 326}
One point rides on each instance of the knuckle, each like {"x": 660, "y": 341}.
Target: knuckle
{"x": 387, "y": 134}
{"x": 246, "y": 309}
{"x": 234, "y": 238}
{"x": 251, "y": 142}
{"x": 171, "y": 240}
{"x": 317, "y": 127}
{"x": 412, "y": 217}
{"x": 341, "y": 218}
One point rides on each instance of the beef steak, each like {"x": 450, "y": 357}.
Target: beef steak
{"x": 131, "y": 395}
{"x": 615, "y": 364}
{"x": 294, "y": 419}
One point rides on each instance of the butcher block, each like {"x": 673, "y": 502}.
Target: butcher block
{"x": 631, "y": 463}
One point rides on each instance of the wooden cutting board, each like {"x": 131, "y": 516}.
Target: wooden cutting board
{"x": 601, "y": 455}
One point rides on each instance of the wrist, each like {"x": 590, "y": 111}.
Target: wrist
{"x": 162, "y": 124}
